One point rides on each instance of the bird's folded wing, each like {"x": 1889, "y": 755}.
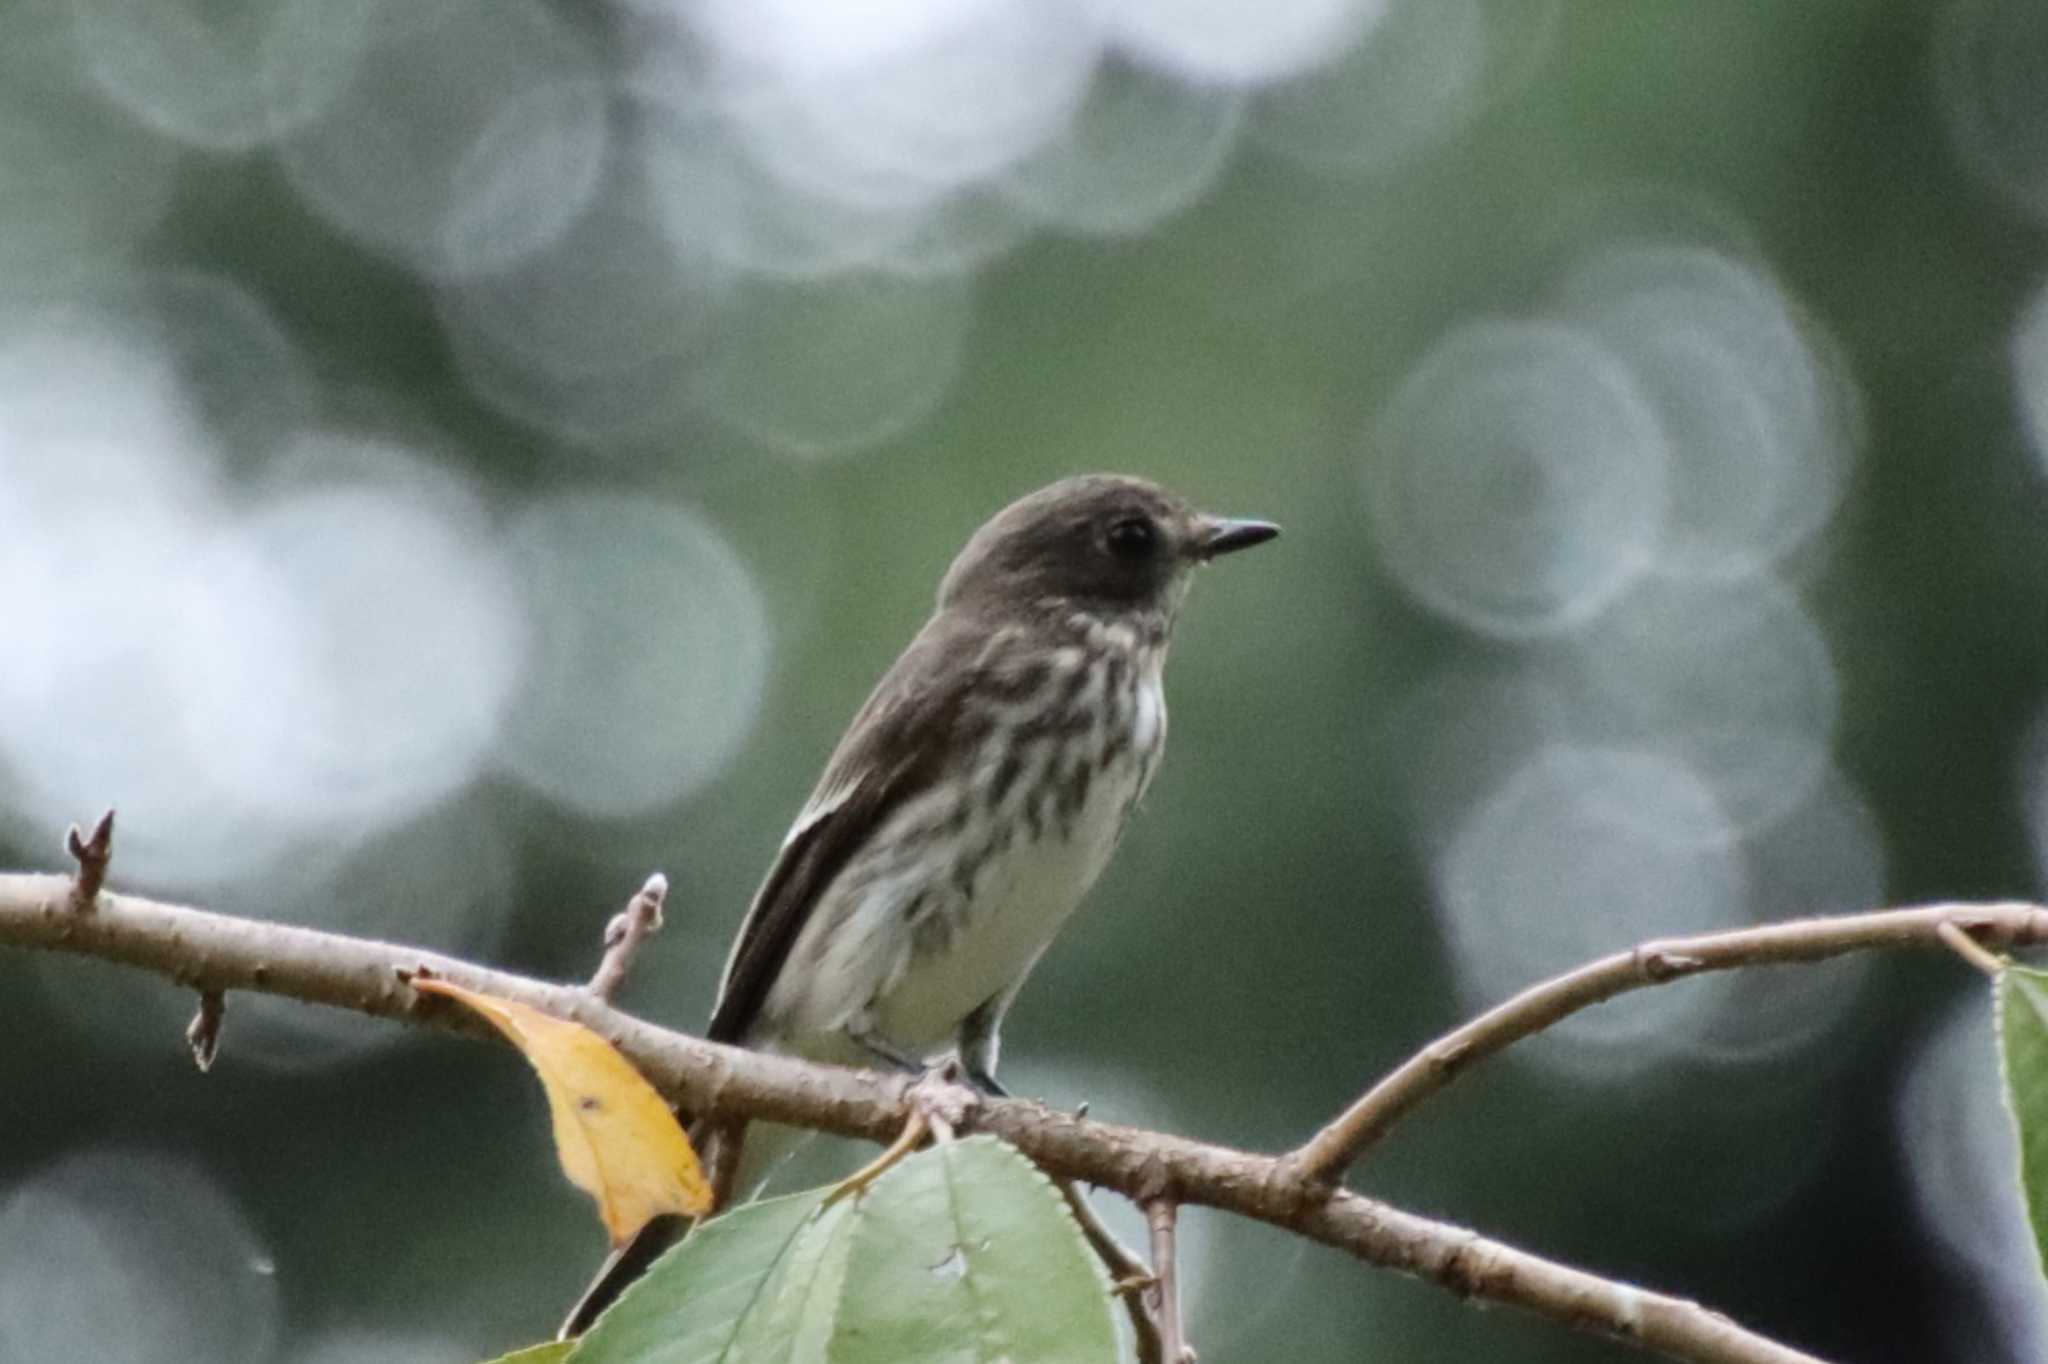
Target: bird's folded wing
{"x": 895, "y": 748}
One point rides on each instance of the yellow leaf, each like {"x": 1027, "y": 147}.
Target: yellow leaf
{"x": 618, "y": 1141}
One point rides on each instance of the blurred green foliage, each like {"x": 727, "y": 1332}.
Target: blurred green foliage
{"x": 1265, "y": 942}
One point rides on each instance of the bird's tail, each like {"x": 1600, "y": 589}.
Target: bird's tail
{"x": 741, "y": 1159}
{"x": 622, "y": 1268}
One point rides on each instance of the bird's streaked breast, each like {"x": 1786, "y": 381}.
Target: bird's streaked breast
{"x": 968, "y": 883}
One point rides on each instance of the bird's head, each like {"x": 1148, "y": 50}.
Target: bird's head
{"x": 1103, "y": 543}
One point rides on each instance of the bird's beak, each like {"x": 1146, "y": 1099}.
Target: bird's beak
{"x": 1216, "y": 535}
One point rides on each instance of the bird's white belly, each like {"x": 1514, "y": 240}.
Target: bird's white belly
{"x": 1021, "y": 898}
{"x": 906, "y": 948}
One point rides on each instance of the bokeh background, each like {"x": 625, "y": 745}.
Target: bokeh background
{"x": 457, "y": 456}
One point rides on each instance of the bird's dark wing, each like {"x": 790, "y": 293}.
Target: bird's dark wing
{"x": 898, "y": 744}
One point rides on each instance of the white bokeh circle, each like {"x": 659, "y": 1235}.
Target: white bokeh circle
{"x": 1517, "y": 479}
{"x": 650, "y": 653}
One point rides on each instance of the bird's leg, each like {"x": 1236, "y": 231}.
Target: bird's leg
{"x": 937, "y": 1104}
{"x": 979, "y": 1043}
{"x": 880, "y": 1048}
{"x": 979, "y": 1077}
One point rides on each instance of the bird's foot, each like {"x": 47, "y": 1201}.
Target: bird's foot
{"x": 939, "y": 1105}
{"x": 942, "y": 1098}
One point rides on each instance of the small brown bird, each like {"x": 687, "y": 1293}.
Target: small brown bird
{"x": 975, "y": 798}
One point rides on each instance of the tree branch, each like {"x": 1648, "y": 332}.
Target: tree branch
{"x": 1326, "y": 1155}
{"x": 202, "y": 1034}
{"x": 1127, "y": 1272}
{"x": 212, "y": 952}
{"x": 1971, "y": 951}
{"x": 91, "y": 852}
{"x": 1160, "y": 1216}
{"x": 630, "y": 927}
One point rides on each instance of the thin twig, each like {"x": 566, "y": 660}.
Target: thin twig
{"x": 202, "y": 1034}
{"x": 914, "y": 1132}
{"x": 1971, "y": 951}
{"x": 1127, "y": 1271}
{"x": 1325, "y": 1156}
{"x": 91, "y": 853}
{"x": 1164, "y": 1294}
{"x": 631, "y": 926}
{"x": 212, "y": 951}
{"x": 724, "y": 1143}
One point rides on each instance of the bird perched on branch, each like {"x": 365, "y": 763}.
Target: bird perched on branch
{"x": 974, "y": 799}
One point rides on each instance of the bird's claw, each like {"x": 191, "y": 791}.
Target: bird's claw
{"x": 942, "y": 1097}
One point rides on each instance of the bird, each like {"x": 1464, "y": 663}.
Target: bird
{"x": 972, "y": 802}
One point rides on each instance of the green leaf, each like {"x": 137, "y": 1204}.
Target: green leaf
{"x": 2023, "y": 1051}
{"x": 743, "y": 1288}
{"x": 552, "y": 1352}
{"x": 966, "y": 1254}
{"x": 793, "y": 1318}
{"x": 962, "y": 1254}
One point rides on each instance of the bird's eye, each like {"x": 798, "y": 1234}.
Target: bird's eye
{"x": 1131, "y": 538}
